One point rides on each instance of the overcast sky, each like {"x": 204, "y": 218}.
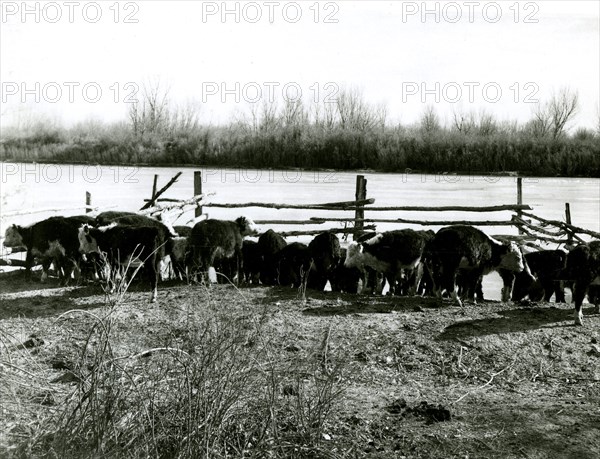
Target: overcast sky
{"x": 82, "y": 60}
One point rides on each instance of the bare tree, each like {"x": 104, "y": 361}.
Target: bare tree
{"x": 463, "y": 123}
{"x": 151, "y": 113}
{"x": 551, "y": 118}
{"x": 293, "y": 113}
{"x": 563, "y": 108}
{"x": 430, "y": 121}
{"x": 486, "y": 124}
{"x": 354, "y": 113}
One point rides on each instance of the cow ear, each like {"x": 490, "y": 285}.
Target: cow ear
{"x": 86, "y": 229}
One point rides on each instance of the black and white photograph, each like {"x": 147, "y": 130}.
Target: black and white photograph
{"x": 300, "y": 229}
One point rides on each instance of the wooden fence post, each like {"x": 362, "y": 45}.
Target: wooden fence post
{"x": 568, "y": 219}
{"x": 520, "y": 199}
{"x": 154, "y": 186}
{"x": 197, "y": 191}
{"x": 359, "y": 213}
{"x": 88, "y": 202}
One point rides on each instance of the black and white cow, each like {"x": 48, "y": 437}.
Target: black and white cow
{"x": 122, "y": 245}
{"x": 583, "y": 271}
{"x": 541, "y": 277}
{"x": 465, "y": 248}
{"x": 269, "y": 244}
{"x": 214, "y": 240}
{"x": 51, "y": 240}
{"x": 391, "y": 253}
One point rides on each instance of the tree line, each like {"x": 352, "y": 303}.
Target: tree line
{"x": 347, "y": 134}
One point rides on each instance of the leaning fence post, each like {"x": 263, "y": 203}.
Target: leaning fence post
{"x": 198, "y": 191}
{"x": 520, "y": 200}
{"x": 359, "y": 213}
{"x": 88, "y": 202}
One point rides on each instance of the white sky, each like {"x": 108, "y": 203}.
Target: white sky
{"x": 376, "y": 46}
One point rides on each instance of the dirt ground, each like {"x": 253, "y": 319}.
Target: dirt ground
{"x": 420, "y": 380}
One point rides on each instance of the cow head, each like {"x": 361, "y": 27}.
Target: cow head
{"x": 512, "y": 258}
{"x": 247, "y": 226}
{"x": 13, "y": 237}
{"x": 354, "y": 256}
{"x": 87, "y": 244}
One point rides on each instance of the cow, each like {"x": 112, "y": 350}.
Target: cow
{"x": 293, "y": 264}
{"x": 122, "y": 245}
{"x": 133, "y": 219}
{"x": 390, "y": 253}
{"x": 183, "y": 230}
{"x": 325, "y": 252}
{"x": 583, "y": 270}
{"x": 465, "y": 248}
{"x": 252, "y": 262}
{"x": 51, "y": 240}
{"x": 270, "y": 243}
{"x": 345, "y": 279}
{"x": 177, "y": 247}
{"x": 541, "y": 277}
{"x": 220, "y": 240}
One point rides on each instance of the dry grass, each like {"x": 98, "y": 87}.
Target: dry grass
{"x": 265, "y": 372}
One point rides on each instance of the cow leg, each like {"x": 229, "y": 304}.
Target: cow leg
{"x": 508, "y": 279}
{"x": 417, "y": 276}
{"x": 153, "y": 271}
{"x": 579, "y": 291}
{"x": 594, "y": 295}
{"x": 559, "y": 292}
{"x": 448, "y": 283}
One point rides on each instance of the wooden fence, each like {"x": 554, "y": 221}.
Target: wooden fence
{"x": 532, "y": 229}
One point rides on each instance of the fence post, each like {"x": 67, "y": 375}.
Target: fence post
{"x": 568, "y": 219}
{"x": 520, "y": 199}
{"x": 154, "y": 186}
{"x": 359, "y": 213}
{"x": 198, "y": 190}
{"x": 88, "y": 202}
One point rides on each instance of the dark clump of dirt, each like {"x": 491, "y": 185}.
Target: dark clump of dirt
{"x": 431, "y": 413}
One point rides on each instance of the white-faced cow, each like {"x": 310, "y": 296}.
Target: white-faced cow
{"x": 126, "y": 246}
{"x": 51, "y": 240}
{"x": 220, "y": 240}
{"x": 541, "y": 277}
{"x": 583, "y": 271}
{"x": 465, "y": 248}
{"x": 391, "y": 253}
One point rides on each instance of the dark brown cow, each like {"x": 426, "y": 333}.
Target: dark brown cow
{"x": 542, "y": 276}
{"x": 583, "y": 270}
{"x": 390, "y": 253}
{"x": 269, "y": 244}
{"x": 126, "y": 246}
{"x": 220, "y": 240}
{"x": 325, "y": 252}
{"x": 465, "y": 248}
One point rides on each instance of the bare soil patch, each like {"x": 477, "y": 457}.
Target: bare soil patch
{"x": 418, "y": 380}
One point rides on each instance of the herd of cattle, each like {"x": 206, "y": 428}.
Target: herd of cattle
{"x": 452, "y": 261}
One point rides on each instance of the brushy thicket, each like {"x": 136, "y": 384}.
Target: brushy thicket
{"x": 312, "y": 147}
{"x": 219, "y": 384}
